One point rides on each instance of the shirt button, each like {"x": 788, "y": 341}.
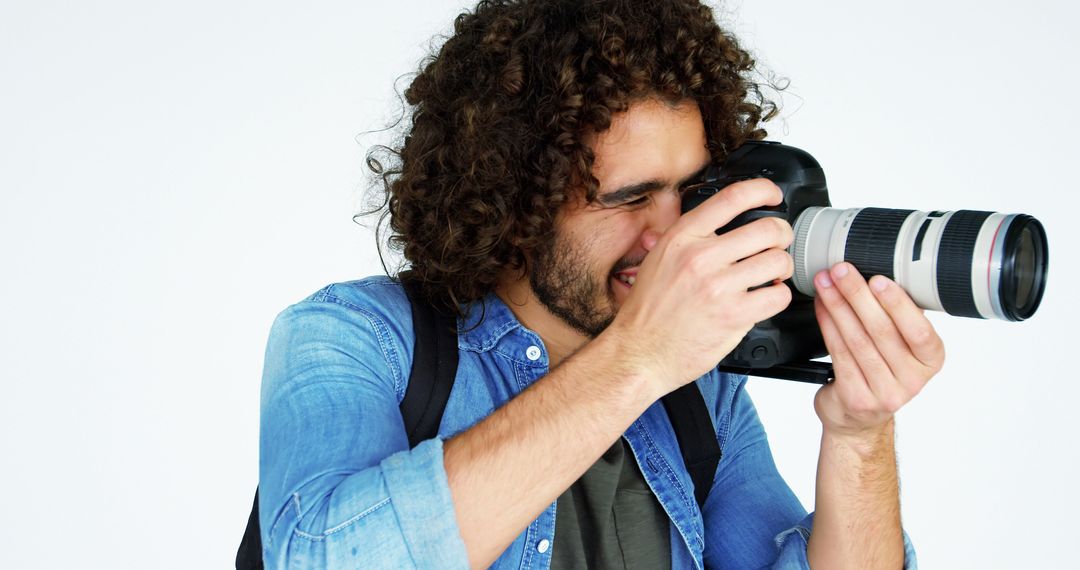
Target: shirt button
{"x": 543, "y": 545}
{"x": 533, "y": 352}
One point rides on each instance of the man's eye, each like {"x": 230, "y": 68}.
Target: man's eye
{"x": 638, "y": 202}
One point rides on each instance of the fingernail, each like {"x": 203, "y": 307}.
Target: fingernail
{"x": 823, "y": 280}
{"x": 840, "y": 270}
{"x": 879, "y": 283}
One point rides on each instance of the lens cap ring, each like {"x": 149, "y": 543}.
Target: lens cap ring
{"x": 1023, "y": 268}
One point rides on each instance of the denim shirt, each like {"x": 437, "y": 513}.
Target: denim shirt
{"x": 340, "y": 488}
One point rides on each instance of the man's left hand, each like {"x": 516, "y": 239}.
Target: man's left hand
{"x": 884, "y": 350}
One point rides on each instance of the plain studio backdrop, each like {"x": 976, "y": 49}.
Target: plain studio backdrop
{"x": 175, "y": 174}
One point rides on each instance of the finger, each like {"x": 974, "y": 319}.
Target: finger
{"x": 758, "y": 235}
{"x": 875, "y": 320}
{"x": 873, "y": 366}
{"x": 844, "y": 365}
{"x": 765, "y": 267}
{"x": 911, "y": 322}
{"x": 766, "y": 302}
{"x": 721, "y": 208}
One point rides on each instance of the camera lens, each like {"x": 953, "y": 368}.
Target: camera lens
{"x": 965, "y": 262}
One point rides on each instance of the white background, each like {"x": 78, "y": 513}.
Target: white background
{"x": 173, "y": 175}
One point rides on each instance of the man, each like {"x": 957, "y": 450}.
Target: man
{"x": 537, "y": 197}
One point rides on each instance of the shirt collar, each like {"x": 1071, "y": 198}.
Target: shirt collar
{"x": 486, "y": 322}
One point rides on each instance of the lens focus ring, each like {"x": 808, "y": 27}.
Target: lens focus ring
{"x": 954, "y": 262}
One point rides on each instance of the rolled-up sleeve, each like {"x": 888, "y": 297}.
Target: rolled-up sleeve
{"x": 339, "y": 486}
{"x": 792, "y": 546}
{"x": 752, "y": 518}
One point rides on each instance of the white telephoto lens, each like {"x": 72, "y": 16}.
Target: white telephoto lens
{"x": 964, "y": 262}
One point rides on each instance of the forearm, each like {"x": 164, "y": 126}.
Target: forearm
{"x": 857, "y": 512}
{"x": 504, "y": 471}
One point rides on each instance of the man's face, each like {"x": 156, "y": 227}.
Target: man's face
{"x": 642, "y": 162}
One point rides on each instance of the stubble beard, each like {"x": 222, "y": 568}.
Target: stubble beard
{"x": 566, "y": 285}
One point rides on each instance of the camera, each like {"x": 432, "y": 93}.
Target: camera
{"x": 966, "y": 263}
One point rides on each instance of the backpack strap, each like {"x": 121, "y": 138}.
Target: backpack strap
{"x": 249, "y": 555}
{"x": 696, "y": 435}
{"x": 435, "y": 363}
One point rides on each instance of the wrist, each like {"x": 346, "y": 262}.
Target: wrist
{"x": 864, "y": 442}
{"x": 632, "y": 371}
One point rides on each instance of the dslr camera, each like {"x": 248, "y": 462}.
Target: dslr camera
{"x": 967, "y": 263}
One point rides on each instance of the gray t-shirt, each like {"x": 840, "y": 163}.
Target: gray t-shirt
{"x": 609, "y": 518}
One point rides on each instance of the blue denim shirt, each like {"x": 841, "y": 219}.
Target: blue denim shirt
{"x": 340, "y": 488}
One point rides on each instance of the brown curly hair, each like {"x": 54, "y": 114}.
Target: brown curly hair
{"x": 499, "y": 113}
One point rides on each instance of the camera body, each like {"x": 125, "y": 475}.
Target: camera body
{"x": 781, "y": 346}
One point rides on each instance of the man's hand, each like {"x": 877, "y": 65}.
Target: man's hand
{"x": 883, "y": 349}
{"x": 692, "y": 303}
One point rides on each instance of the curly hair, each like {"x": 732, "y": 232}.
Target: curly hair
{"x": 499, "y": 116}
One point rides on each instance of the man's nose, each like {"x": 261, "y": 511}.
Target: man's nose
{"x": 665, "y": 211}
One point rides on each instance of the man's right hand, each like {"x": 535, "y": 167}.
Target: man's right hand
{"x": 691, "y": 304}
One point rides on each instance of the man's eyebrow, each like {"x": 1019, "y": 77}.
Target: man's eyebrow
{"x": 631, "y": 191}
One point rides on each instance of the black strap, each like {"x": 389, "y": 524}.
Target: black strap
{"x": 435, "y": 363}
{"x": 696, "y": 436}
{"x": 249, "y": 555}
